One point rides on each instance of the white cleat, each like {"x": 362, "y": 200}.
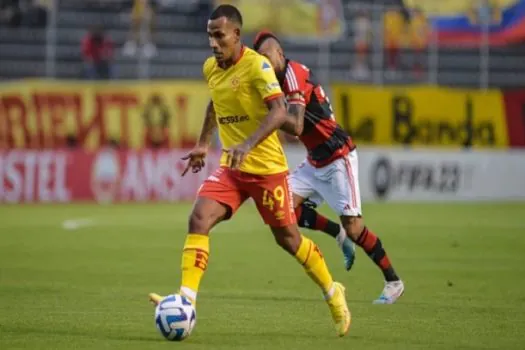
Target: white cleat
{"x": 392, "y": 291}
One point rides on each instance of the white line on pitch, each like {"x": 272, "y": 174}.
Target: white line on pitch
{"x": 75, "y": 224}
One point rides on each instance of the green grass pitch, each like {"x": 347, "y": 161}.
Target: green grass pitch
{"x": 87, "y": 288}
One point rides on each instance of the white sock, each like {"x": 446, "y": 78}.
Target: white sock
{"x": 341, "y": 236}
{"x": 188, "y": 292}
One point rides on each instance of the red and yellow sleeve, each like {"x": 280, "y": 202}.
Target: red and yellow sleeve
{"x": 264, "y": 79}
{"x": 295, "y": 83}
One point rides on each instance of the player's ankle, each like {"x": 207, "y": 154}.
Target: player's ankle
{"x": 329, "y": 294}
{"x": 189, "y": 293}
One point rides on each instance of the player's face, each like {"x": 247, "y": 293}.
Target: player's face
{"x": 273, "y": 51}
{"x": 224, "y": 37}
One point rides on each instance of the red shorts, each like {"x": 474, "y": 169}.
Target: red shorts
{"x": 271, "y": 194}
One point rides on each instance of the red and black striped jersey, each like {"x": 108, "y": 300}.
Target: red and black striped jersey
{"x": 323, "y": 138}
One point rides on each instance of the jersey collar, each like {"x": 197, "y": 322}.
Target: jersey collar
{"x": 243, "y": 48}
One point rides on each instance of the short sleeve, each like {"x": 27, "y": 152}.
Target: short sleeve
{"x": 264, "y": 79}
{"x": 296, "y": 82}
{"x": 207, "y": 67}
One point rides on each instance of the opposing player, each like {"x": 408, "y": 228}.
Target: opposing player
{"x": 248, "y": 107}
{"x": 330, "y": 171}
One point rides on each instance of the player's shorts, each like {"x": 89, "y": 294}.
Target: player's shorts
{"x": 337, "y": 184}
{"x": 271, "y": 194}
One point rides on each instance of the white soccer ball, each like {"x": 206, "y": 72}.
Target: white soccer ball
{"x": 175, "y": 317}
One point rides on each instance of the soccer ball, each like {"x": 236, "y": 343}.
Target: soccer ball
{"x": 175, "y": 317}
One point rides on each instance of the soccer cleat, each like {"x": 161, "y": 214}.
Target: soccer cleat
{"x": 348, "y": 248}
{"x": 155, "y": 298}
{"x": 339, "y": 309}
{"x": 392, "y": 291}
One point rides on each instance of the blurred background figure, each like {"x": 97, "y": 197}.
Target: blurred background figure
{"x": 394, "y": 34}
{"x": 362, "y": 38}
{"x": 141, "y": 29}
{"x": 97, "y": 54}
{"x": 24, "y": 13}
{"x": 419, "y": 35}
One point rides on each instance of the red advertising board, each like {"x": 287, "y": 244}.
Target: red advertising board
{"x": 62, "y": 176}
{"x": 515, "y": 113}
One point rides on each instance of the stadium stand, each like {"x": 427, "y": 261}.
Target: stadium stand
{"x": 182, "y": 47}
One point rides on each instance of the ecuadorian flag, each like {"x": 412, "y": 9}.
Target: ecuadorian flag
{"x": 465, "y": 22}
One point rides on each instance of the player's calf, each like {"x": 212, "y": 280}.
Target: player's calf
{"x": 308, "y": 217}
{"x": 308, "y": 254}
{"x": 287, "y": 238}
{"x": 205, "y": 215}
{"x": 371, "y": 244}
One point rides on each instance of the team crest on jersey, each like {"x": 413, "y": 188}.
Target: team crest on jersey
{"x": 266, "y": 66}
{"x": 235, "y": 83}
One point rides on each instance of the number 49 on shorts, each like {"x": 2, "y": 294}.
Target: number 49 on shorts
{"x": 270, "y": 197}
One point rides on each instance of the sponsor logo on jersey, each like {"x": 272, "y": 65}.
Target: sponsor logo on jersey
{"x": 266, "y": 66}
{"x": 232, "y": 119}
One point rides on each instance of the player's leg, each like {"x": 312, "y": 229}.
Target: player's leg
{"x": 373, "y": 247}
{"x": 345, "y": 198}
{"x": 274, "y": 202}
{"x": 309, "y": 218}
{"x": 217, "y": 200}
{"x": 306, "y": 197}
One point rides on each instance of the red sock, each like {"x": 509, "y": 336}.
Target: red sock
{"x": 309, "y": 218}
{"x": 373, "y": 247}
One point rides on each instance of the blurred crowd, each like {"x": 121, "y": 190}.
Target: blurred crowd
{"x": 98, "y": 47}
{"x": 404, "y": 26}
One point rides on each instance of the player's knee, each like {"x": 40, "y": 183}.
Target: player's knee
{"x": 198, "y": 222}
{"x": 287, "y": 238}
{"x": 353, "y": 225}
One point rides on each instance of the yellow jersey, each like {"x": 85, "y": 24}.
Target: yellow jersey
{"x": 239, "y": 94}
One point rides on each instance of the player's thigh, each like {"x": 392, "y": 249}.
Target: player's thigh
{"x": 273, "y": 198}
{"x": 340, "y": 186}
{"x": 301, "y": 183}
{"x": 218, "y": 199}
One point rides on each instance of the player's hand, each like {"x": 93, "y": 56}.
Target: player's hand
{"x": 195, "y": 160}
{"x": 236, "y": 155}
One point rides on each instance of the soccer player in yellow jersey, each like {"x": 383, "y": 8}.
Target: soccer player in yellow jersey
{"x": 247, "y": 106}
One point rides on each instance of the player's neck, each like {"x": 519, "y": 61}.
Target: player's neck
{"x": 239, "y": 51}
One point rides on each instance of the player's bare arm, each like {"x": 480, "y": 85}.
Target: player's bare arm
{"x": 196, "y": 156}
{"x": 273, "y": 121}
{"x": 294, "y": 122}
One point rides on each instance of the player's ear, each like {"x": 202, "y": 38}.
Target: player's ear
{"x": 237, "y": 32}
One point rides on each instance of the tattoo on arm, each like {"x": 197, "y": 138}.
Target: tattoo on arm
{"x": 209, "y": 126}
{"x": 294, "y": 118}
